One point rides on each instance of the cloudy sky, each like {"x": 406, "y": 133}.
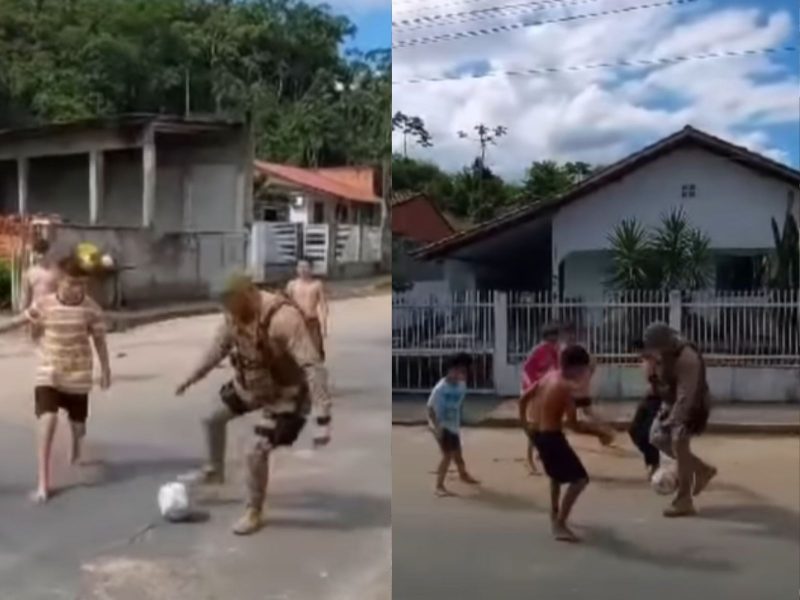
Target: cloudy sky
{"x": 597, "y": 115}
{"x": 372, "y": 18}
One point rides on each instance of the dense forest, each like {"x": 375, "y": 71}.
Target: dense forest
{"x": 278, "y": 62}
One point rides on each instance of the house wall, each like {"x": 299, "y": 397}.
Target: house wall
{"x": 733, "y": 205}
{"x": 122, "y": 204}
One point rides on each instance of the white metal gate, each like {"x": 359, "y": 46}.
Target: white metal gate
{"x": 426, "y": 331}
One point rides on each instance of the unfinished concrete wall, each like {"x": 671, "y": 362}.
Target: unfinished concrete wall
{"x": 60, "y": 185}
{"x": 160, "y": 268}
{"x": 122, "y": 205}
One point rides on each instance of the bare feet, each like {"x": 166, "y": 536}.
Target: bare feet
{"x": 676, "y": 511}
{"x": 532, "y": 470}
{"x": 467, "y": 478}
{"x": 40, "y": 496}
{"x": 442, "y": 492}
{"x": 562, "y": 533}
{"x": 702, "y": 480}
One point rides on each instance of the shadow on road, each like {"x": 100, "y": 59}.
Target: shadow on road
{"x": 760, "y": 519}
{"x": 607, "y": 540}
{"x": 339, "y": 511}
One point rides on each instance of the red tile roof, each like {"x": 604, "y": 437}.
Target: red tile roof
{"x": 313, "y": 180}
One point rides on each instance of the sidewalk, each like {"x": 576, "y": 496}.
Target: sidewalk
{"x": 483, "y": 411}
{"x": 126, "y": 319}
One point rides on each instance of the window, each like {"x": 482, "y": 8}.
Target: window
{"x": 738, "y": 273}
{"x": 688, "y": 190}
{"x": 319, "y": 213}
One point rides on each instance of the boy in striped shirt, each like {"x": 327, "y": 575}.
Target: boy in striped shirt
{"x": 68, "y": 319}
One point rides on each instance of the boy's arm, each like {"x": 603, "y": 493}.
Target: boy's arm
{"x": 97, "y": 331}
{"x": 15, "y": 323}
{"x": 219, "y": 349}
{"x": 32, "y": 314}
{"x": 524, "y": 401}
{"x": 432, "y": 408}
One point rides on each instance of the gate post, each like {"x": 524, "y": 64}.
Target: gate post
{"x": 500, "y": 358}
{"x": 675, "y": 310}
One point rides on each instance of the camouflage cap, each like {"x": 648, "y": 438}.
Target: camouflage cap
{"x": 659, "y": 336}
{"x": 236, "y": 284}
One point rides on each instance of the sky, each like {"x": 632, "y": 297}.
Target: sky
{"x": 372, "y": 18}
{"x": 597, "y": 115}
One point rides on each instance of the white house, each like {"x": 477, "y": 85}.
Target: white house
{"x": 727, "y": 191}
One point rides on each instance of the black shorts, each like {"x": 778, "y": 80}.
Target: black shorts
{"x": 231, "y": 399}
{"x": 559, "y": 459}
{"x": 449, "y": 441}
{"x": 50, "y": 400}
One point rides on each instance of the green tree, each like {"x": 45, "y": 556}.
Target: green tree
{"x": 548, "y": 179}
{"x": 413, "y": 127}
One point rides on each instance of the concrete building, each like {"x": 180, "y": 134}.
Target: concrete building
{"x": 169, "y": 198}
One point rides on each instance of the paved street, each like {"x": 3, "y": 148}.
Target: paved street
{"x": 329, "y": 533}
{"x": 494, "y": 541}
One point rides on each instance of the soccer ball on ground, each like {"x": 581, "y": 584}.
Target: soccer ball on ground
{"x": 664, "y": 481}
{"x": 173, "y": 501}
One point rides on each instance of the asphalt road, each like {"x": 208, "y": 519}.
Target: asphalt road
{"x": 494, "y": 542}
{"x": 329, "y": 532}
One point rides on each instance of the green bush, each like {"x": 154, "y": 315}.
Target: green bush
{"x": 5, "y": 285}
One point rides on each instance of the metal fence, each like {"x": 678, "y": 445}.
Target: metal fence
{"x": 425, "y": 332}
{"x": 753, "y": 329}
{"x": 609, "y": 327}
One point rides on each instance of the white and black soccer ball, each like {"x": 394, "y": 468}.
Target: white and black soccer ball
{"x": 664, "y": 481}
{"x": 174, "y": 501}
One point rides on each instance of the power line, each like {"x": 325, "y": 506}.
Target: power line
{"x": 424, "y": 6}
{"x": 540, "y": 4}
{"x": 459, "y": 35}
{"x": 524, "y": 7}
{"x": 623, "y": 63}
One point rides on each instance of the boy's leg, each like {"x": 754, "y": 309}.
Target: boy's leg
{"x": 257, "y": 481}
{"x": 555, "y": 500}
{"x": 77, "y": 407}
{"x": 529, "y": 457}
{"x": 462, "y": 468}
{"x": 441, "y": 473}
{"x": 46, "y": 433}
{"x": 574, "y": 490}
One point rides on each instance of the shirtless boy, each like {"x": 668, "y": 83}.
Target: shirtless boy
{"x": 309, "y": 294}
{"x": 40, "y": 280}
{"x": 544, "y": 410}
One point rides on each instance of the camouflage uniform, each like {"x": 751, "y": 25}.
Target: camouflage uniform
{"x": 278, "y": 370}
{"x": 683, "y": 388}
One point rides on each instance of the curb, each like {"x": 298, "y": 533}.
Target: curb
{"x": 778, "y": 429}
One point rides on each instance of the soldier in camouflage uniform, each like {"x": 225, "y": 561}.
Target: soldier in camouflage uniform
{"x": 684, "y": 412}
{"x": 277, "y": 369}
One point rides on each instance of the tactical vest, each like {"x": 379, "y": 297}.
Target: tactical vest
{"x": 698, "y": 408}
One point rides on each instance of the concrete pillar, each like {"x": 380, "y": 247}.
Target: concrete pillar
{"x": 186, "y": 189}
{"x": 675, "y": 310}
{"x": 96, "y": 186}
{"x": 503, "y": 373}
{"x": 23, "y": 170}
{"x": 148, "y": 180}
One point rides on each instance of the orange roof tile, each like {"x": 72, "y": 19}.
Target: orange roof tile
{"x": 311, "y": 179}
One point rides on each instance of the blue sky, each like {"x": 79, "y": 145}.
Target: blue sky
{"x": 602, "y": 115}
{"x": 374, "y": 28}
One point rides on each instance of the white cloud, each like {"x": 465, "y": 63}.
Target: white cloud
{"x": 600, "y": 115}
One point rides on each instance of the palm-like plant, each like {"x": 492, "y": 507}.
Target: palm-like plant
{"x": 675, "y": 256}
{"x": 632, "y": 256}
